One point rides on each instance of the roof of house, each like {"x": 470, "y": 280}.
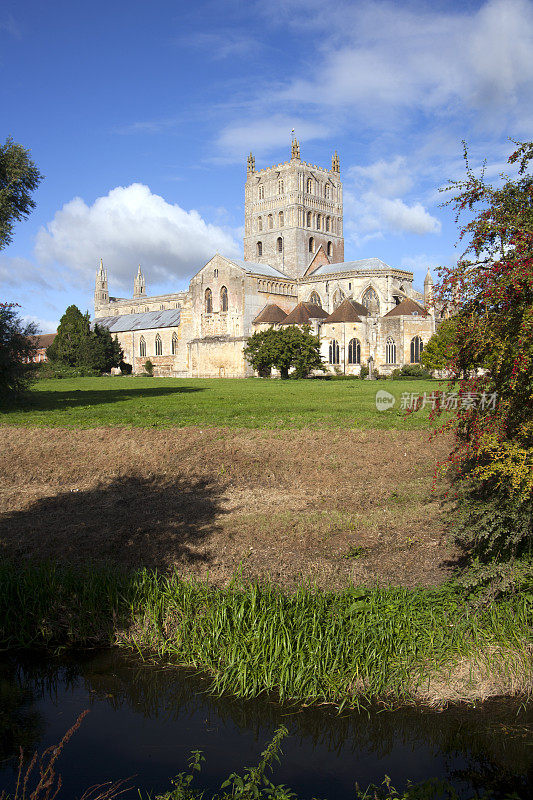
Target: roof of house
{"x": 258, "y": 269}
{"x": 271, "y": 314}
{"x": 304, "y": 313}
{"x": 45, "y": 339}
{"x": 407, "y": 308}
{"x": 363, "y": 265}
{"x": 170, "y": 318}
{"x": 348, "y": 311}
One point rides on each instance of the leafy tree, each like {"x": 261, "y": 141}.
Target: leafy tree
{"x": 18, "y": 346}
{"x": 286, "y": 348}
{"x": 104, "y": 350}
{"x": 19, "y": 177}
{"x": 491, "y": 292}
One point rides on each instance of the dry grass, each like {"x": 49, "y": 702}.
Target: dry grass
{"x": 332, "y": 506}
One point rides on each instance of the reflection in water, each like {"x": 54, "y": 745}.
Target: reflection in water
{"x": 145, "y": 720}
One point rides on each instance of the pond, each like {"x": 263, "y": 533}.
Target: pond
{"x": 145, "y": 720}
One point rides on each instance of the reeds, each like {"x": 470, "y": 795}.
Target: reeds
{"x": 311, "y": 646}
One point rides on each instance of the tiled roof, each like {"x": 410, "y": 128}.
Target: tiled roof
{"x": 170, "y": 318}
{"x": 348, "y": 311}
{"x": 407, "y": 308}
{"x": 46, "y": 339}
{"x": 304, "y": 313}
{"x": 258, "y": 269}
{"x": 271, "y": 314}
{"x": 363, "y": 265}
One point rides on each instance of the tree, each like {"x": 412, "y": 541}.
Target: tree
{"x": 443, "y": 349}
{"x": 70, "y": 346}
{"x": 286, "y": 348}
{"x": 77, "y": 346}
{"x": 491, "y": 291}
{"x": 18, "y": 346}
{"x": 19, "y": 177}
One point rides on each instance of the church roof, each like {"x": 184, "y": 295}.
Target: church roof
{"x": 363, "y": 265}
{"x": 258, "y": 269}
{"x": 348, "y": 311}
{"x": 304, "y": 313}
{"x": 271, "y": 313}
{"x": 170, "y": 318}
{"x": 407, "y": 308}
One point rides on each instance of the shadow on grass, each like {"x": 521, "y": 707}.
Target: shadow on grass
{"x": 61, "y": 400}
{"x": 134, "y": 521}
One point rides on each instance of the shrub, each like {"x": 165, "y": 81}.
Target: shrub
{"x": 17, "y": 346}
{"x": 411, "y": 372}
{"x": 149, "y": 368}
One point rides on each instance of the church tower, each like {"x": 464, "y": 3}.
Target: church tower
{"x": 101, "y": 293}
{"x": 290, "y": 210}
{"x": 139, "y": 285}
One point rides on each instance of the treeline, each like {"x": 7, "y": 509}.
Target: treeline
{"x": 79, "y": 347}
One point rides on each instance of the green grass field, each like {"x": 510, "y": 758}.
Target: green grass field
{"x": 249, "y": 403}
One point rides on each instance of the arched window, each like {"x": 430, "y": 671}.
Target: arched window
{"x": 158, "y": 345}
{"x": 280, "y": 187}
{"x": 311, "y": 245}
{"x": 354, "y": 351}
{"x": 371, "y": 301}
{"x": 328, "y": 224}
{"x": 260, "y": 223}
{"x": 315, "y": 299}
{"x": 142, "y": 347}
{"x": 208, "y": 301}
{"x": 280, "y": 244}
{"x": 309, "y": 219}
{"x": 417, "y": 345}
{"x": 280, "y": 219}
{"x": 338, "y": 297}
{"x": 174, "y": 343}
{"x": 223, "y": 299}
{"x": 318, "y": 222}
{"x": 390, "y": 351}
{"x": 309, "y": 186}
{"x": 327, "y": 191}
{"x": 261, "y": 192}
{"x": 334, "y": 351}
{"x": 330, "y": 249}
{"x": 259, "y": 248}
{"x": 270, "y": 221}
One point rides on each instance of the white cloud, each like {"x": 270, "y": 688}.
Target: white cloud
{"x": 374, "y": 206}
{"x": 17, "y": 271}
{"x": 128, "y": 226}
{"x": 43, "y": 325}
{"x": 267, "y": 133}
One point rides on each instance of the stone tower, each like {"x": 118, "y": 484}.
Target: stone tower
{"x": 290, "y": 210}
{"x": 428, "y": 292}
{"x": 139, "y": 285}
{"x": 101, "y": 293}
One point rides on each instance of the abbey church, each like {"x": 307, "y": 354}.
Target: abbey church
{"x": 293, "y": 273}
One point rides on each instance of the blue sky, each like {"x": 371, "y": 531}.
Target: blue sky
{"x": 140, "y": 115}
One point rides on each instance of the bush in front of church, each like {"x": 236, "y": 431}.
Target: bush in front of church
{"x": 286, "y": 349}
{"x": 78, "y": 347}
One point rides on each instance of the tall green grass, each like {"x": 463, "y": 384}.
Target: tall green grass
{"x": 309, "y": 646}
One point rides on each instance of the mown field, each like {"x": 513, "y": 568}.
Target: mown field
{"x": 248, "y": 403}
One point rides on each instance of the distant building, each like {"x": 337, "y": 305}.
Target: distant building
{"x": 293, "y": 273}
{"x": 43, "y": 341}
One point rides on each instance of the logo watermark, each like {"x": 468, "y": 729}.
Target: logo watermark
{"x": 384, "y": 400}
{"x": 447, "y": 401}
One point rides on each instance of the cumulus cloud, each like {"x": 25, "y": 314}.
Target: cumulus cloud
{"x": 128, "y": 226}
{"x": 43, "y": 325}
{"x": 374, "y": 204}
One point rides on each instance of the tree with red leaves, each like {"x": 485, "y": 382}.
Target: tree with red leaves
{"x": 490, "y": 293}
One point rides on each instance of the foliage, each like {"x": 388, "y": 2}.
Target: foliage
{"x": 55, "y": 370}
{"x": 204, "y": 402}
{"x": 288, "y": 348}
{"x": 411, "y": 372}
{"x": 19, "y": 177}
{"x": 490, "y": 291}
{"x": 317, "y": 646}
{"x": 18, "y": 346}
{"x": 76, "y": 345}
{"x": 149, "y": 368}
{"x": 442, "y": 348}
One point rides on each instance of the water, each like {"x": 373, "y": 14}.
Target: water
{"x": 145, "y": 720}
